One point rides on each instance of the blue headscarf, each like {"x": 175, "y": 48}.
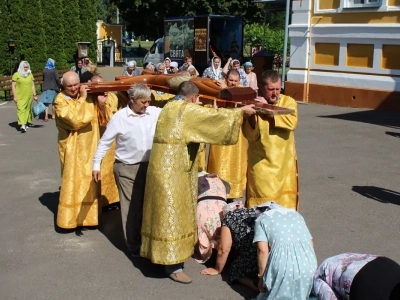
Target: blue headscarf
{"x": 50, "y": 64}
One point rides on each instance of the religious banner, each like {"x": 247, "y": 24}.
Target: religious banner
{"x": 179, "y": 38}
{"x": 200, "y": 39}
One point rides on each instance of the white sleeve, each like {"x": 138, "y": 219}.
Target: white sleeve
{"x": 105, "y": 143}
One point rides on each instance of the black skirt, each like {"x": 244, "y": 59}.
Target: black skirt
{"x": 377, "y": 280}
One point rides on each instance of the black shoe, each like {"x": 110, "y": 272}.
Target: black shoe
{"x": 135, "y": 253}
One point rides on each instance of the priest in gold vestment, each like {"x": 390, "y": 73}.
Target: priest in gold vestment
{"x": 272, "y": 161}
{"x": 169, "y": 230}
{"x": 230, "y": 162}
{"x": 78, "y": 134}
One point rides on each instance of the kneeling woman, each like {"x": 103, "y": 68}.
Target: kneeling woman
{"x": 285, "y": 254}
{"x": 237, "y": 233}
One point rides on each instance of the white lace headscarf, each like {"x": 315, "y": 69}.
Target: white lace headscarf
{"x": 21, "y": 70}
{"x": 216, "y": 72}
{"x": 268, "y": 206}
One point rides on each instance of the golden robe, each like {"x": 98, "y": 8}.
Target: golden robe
{"x": 230, "y": 163}
{"x": 159, "y": 99}
{"x": 169, "y": 230}
{"x": 108, "y": 187}
{"x": 272, "y": 160}
{"x": 78, "y": 134}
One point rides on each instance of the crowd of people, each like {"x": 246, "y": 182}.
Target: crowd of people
{"x": 119, "y": 148}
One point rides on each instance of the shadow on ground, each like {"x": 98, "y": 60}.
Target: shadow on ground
{"x": 378, "y": 194}
{"x": 377, "y": 117}
{"x": 17, "y": 127}
{"x": 394, "y": 134}
{"x": 111, "y": 227}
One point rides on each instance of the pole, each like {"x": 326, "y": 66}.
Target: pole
{"x": 285, "y": 40}
{"x": 117, "y": 16}
{"x": 265, "y": 21}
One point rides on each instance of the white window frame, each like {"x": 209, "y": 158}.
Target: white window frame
{"x": 368, "y": 3}
{"x": 346, "y": 8}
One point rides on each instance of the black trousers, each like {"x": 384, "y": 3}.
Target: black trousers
{"x": 377, "y": 280}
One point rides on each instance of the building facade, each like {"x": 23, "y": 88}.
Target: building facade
{"x": 345, "y": 53}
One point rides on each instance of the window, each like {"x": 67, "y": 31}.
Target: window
{"x": 362, "y": 3}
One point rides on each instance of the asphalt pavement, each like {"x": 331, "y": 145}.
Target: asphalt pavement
{"x": 349, "y": 197}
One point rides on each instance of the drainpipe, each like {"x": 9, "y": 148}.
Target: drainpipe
{"x": 307, "y": 91}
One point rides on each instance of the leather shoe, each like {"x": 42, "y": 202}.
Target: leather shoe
{"x": 180, "y": 277}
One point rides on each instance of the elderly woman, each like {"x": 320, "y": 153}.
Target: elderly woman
{"x": 24, "y": 91}
{"x": 285, "y": 253}
{"x": 160, "y": 68}
{"x": 357, "y": 276}
{"x": 250, "y": 75}
{"x": 214, "y": 71}
{"x": 51, "y": 86}
{"x": 167, "y": 64}
{"x": 237, "y": 233}
{"x": 131, "y": 69}
{"x": 91, "y": 70}
{"x": 211, "y": 201}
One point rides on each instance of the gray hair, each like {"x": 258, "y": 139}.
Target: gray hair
{"x": 139, "y": 91}
{"x": 160, "y": 65}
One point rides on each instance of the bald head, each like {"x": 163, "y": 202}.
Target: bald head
{"x": 70, "y": 81}
{"x": 97, "y": 79}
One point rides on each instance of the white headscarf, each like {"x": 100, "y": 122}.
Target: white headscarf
{"x": 21, "y": 70}
{"x": 131, "y": 63}
{"x": 216, "y": 72}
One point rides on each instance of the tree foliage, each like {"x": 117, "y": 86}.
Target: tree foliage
{"x": 146, "y": 16}
{"x": 268, "y": 38}
{"x": 46, "y": 28}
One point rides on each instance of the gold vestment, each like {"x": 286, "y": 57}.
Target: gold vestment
{"x": 169, "y": 230}
{"x": 272, "y": 161}
{"x": 108, "y": 187}
{"x": 78, "y": 134}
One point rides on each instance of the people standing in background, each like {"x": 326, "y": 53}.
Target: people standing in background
{"x": 251, "y": 76}
{"x": 214, "y": 71}
{"x": 24, "y": 91}
{"x": 160, "y": 68}
{"x": 234, "y": 64}
{"x": 51, "y": 87}
{"x": 131, "y": 69}
{"x": 78, "y": 68}
{"x": 167, "y": 63}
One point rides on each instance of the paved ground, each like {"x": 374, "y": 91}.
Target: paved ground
{"x": 350, "y": 197}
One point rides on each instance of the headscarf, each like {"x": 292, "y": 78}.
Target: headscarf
{"x": 218, "y": 71}
{"x": 50, "y": 64}
{"x": 234, "y": 61}
{"x": 21, "y": 70}
{"x": 247, "y": 64}
{"x": 131, "y": 63}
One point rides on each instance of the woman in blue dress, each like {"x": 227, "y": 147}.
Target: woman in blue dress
{"x": 285, "y": 254}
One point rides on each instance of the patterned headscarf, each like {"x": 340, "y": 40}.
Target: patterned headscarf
{"x": 21, "y": 70}
{"x": 50, "y": 64}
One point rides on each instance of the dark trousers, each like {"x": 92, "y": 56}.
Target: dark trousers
{"x": 377, "y": 280}
{"x": 131, "y": 181}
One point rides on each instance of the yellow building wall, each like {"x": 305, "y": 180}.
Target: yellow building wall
{"x": 390, "y": 57}
{"x": 360, "y": 55}
{"x": 112, "y": 31}
{"x": 361, "y": 17}
{"x": 326, "y": 54}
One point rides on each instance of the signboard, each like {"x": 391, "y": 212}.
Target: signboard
{"x": 179, "y": 38}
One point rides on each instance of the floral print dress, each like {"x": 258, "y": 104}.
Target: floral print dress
{"x": 241, "y": 224}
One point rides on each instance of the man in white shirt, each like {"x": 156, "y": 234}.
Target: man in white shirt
{"x": 133, "y": 130}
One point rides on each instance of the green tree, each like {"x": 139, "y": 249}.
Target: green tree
{"x": 71, "y": 21}
{"x": 149, "y": 14}
{"x": 54, "y": 32}
{"x": 107, "y": 11}
{"x": 5, "y": 62}
{"x": 88, "y": 17}
{"x": 27, "y": 29}
{"x": 270, "y": 39}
